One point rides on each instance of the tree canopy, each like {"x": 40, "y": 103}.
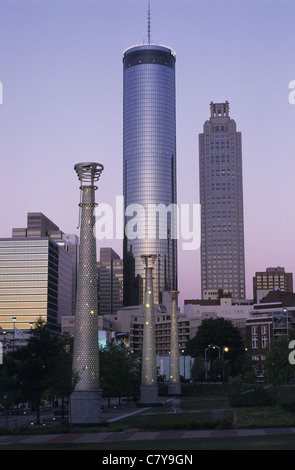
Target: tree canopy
{"x": 119, "y": 371}
{"x": 225, "y": 350}
{"x": 38, "y": 370}
{"x": 216, "y": 332}
{"x": 276, "y": 364}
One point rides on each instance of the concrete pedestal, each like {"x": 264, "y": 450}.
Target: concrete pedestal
{"x": 174, "y": 388}
{"x": 149, "y": 394}
{"x": 86, "y": 407}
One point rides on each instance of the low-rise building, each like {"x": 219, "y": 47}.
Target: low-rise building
{"x": 273, "y": 317}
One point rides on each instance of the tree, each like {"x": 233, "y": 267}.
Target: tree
{"x": 217, "y": 332}
{"x": 276, "y": 365}
{"x": 64, "y": 378}
{"x": 10, "y": 390}
{"x": 245, "y": 367}
{"x": 38, "y": 364}
{"x": 119, "y": 372}
{"x": 216, "y": 368}
{"x": 198, "y": 368}
{"x": 41, "y": 368}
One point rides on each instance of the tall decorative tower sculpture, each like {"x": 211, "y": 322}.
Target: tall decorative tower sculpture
{"x": 149, "y": 386}
{"x": 86, "y": 398}
{"x": 174, "y": 387}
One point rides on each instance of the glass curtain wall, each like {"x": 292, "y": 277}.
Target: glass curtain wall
{"x": 149, "y": 171}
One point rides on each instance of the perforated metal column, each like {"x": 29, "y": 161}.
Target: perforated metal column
{"x": 149, "y": 387}
{"x": 174, "y": 375}
{"x": 86, "y": 321}
{"x": 85, "y": 400}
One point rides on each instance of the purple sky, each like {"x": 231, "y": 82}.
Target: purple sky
{"x": 61, "y": 73}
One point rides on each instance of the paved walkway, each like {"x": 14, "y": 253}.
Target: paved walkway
{"x": 138, "y": 436}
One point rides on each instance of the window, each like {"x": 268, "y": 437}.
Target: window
{"x": 264, "y": 329}
{"x": 254, "y": 330}
{"x": 254, "y": 342}
{"x": 264, "y": 341}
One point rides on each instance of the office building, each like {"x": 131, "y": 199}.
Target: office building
{"x": 270, "y": 280}
{"x": 37, "y": 274}
{"x": 35, "y": 283}
{"x": 110, "y": 282}
{"x": 221, "y": 198}
{"x": 38, "y": 226}
{"x": 70, "y": 243}
{"x": 149, "y": 168}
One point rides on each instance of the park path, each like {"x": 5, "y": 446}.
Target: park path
{"x": 101, "y": 437}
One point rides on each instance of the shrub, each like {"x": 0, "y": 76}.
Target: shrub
{"x": 256, "y": 397}
{"x": 289, "y": 406}
{"x": 236, "y": 385}
{"x": 188, "y": 424}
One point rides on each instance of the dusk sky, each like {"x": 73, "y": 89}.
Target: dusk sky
{"x": 62, "y": 87}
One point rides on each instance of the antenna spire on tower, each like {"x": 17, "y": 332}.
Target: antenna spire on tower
{"x": 149, "y": 22}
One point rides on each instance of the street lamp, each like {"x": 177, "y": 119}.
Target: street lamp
{"x": 206, "y": 375}
{"x": 224, "y": 349}
{"x": 213, "y": 346}
{"x": 183, "y": 353}
{"x": 210, "y": 346}
{"x": 285, "y": 316}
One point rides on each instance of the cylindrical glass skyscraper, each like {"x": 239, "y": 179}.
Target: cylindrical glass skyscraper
{"x": 149, "y": 172}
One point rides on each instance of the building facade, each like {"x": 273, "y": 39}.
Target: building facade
{"x": 221, "y": 198}
{"x": 269, "y": 280}
{"x": 35, "y": 283}
{"x": 270, "y": 319}
{"x": 149, "y": 168}
{"x": 110, "y": 282}
{"x": 38, "y": 225}
{"x": 37, "y": 274}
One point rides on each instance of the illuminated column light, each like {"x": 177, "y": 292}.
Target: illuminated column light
{"x": 149, "y": 386}
{"x": 174, "y": 374}
{"x": 86, "y": 398}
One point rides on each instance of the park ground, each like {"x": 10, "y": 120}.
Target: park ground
{"x": 205, "y": 422}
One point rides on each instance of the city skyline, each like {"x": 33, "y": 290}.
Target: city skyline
{"x": 61, "y": 87}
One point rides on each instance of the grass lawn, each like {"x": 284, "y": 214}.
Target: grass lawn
{"x": 267, "y": 416}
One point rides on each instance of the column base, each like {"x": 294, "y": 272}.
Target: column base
{"x": 149, "y": 394}
{"x": 174, "y": 388}
{"x": 86, "y": 407}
